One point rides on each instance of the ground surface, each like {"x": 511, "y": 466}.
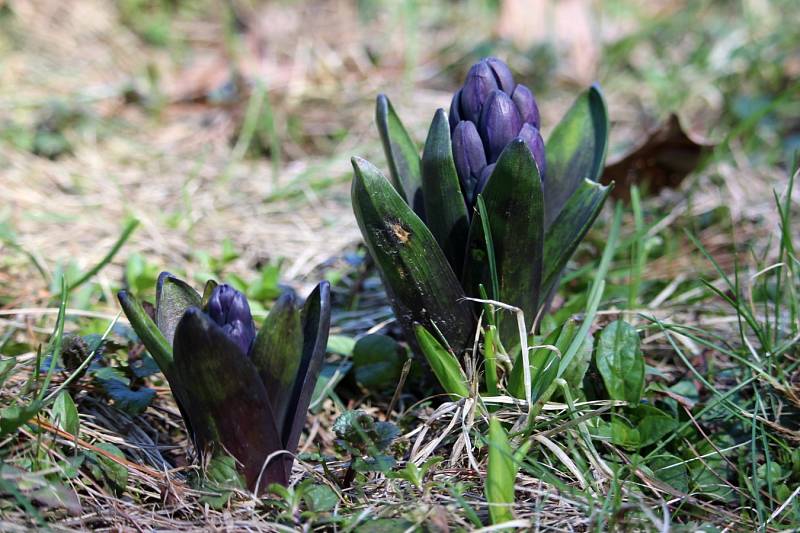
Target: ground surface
{"x": 226, "y": 130}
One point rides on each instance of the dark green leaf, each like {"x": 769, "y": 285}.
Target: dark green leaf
{"x": 501, "y": 473}
{"x": 620, "y": 362}
{"x": 148, "y": 332}
{"x": 569, "y": 229}
{"x": 421, "y": 285}
{"x": 514, "y": 205}
{"x": 173, "y": 298}
{"x": 402, "y": 155}
{"x": 320, "y": 498}
{"x": 378, "y": 362}
{"x": 228, "y": 399}
{"x": 316, "y": 319}
{"x": 386, "y": 525}
{"x": 277, "y": 354}
{"x": 126, "y": 399}
{"x": 65, "y": 414}
{"x": 576, "y": 150}
{"x": 443, "y": 363}
{"x": 671, "y": 470}
{"x": 116, "y": 473}
{"x": 445, "y": 209}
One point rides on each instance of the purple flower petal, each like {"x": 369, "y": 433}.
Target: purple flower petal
{"x": 526, "y": 104}
{"x": 535, "y": 143}
{"x": 230, "y": 310}
{"x": 505, "y": 80}
{"x": 479, "y": 84}
{"x": 468, "y": 154}
{"x": 454, "y": 116}
{"x": 499, "y": 125}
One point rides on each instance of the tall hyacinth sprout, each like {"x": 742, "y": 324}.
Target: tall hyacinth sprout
{"x": 489, "y": 210}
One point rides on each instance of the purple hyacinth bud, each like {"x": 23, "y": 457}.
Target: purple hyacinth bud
{"x": 468, "y": 154}
{"x": 526, "y": 104}
{"x": 505, "y": 80}
{"x": 486, "y": 173}
{"x": 479, "y": 84}
{"x": 499, "y": 125}
{"x": 230, "y": 310}
{"x": 454, "y": 116}
{"x": 535, "y": 143}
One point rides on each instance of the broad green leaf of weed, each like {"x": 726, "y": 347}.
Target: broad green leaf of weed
{"x": 64, "y": 413}
{"x": 620, "y": 362}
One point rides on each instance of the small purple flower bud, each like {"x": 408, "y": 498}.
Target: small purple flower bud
{"x": 526, "y": 104}
{"x": 486, "y": 173}
{"x": 535, "y": 143}
{"x": 499, "y": 125}
{"x": 230, "y": 310}
{"x": 468, "y": 154}
{"x": 505, "y": 80}
{"x": 479, "y": 84}
{"x": 454, "y": 116}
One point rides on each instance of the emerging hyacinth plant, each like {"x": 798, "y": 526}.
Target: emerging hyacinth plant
{"x": 488, "y": 210}
{"x": 240, "y": 391}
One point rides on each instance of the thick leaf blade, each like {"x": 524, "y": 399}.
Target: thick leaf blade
{"x": 173, "y": 298}
{"x": 316, "y": 319}
{"x": 569, "y": 229}
{"x": 277, "y": 354}
{"x": 443, "y": 363}
{"x": 419, "y": 281}
{"x": 227, "y": 392}
{"x": 576, "y": 150}
{"x": 501, "y": 473}
{"x": 445, "y": 209}
{"x": 515, "y": 209}
{"x": 377, "y": 363}
{"x": 148, "y": 332}
{"x": 402, "y": 155}
{"x": 620, "y": 362}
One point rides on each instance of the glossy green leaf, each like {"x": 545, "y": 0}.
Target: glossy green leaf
{"x": 443, "y": 363}
{"x": 316, "y": 319}
{"x": 277, "y": 353}
{"x": 64, "y": 413}
{"x": 637, "y": 427}
{"x": 402, "y": 155}
{"x": 148, "y": 332}
{"x": 419, "y": 281}
{"x": 377, "y": 362}
{"x": 576, "y": 150}
{"x": 173, "y": 298}
{"x": 544, "y": 368}
{"x": 620, "y": 362}
{"x": 227, "y": 394}
{"x": 514, "y": 206}
{"x": 569, "y": 229}
{"x": 445, "y": 209}
{"x": 501, "y": 473}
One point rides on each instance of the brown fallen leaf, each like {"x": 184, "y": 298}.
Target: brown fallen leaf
{"x": 662, "y": 161}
